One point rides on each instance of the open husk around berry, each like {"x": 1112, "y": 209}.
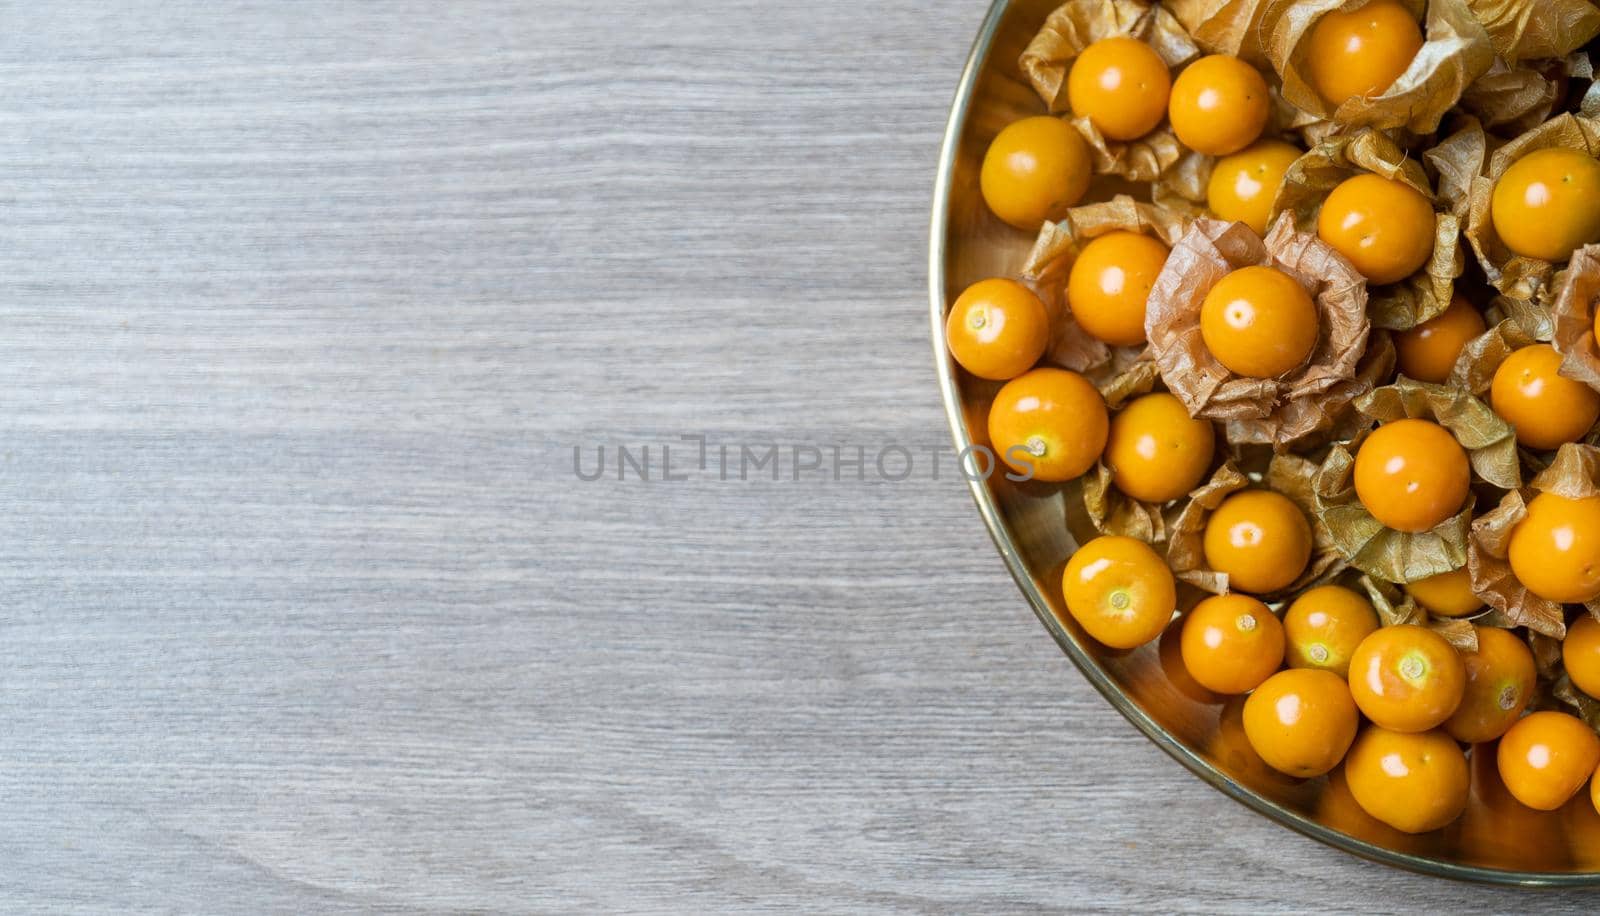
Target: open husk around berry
{"x": 1110, "y": 510}
{"x": 1396, "y": 607}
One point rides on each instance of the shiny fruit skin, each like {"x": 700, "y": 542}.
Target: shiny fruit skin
{"x": 1231, "y": 643}
{"x": 1412, "y": 474}
{"x": 1580, "y": 654}
{"x": 1219, "y": 105}
{"x": 1109, "y": 285}
{"x": 1500, "y": 681}
{"x": 1547, "y": 409}
{"x": 1243, "y": 186}
{"x": 1362, "y": 52}
{"x": 1051, "y": 421}
{"x": 1555, "y": 549}
{"x": 1035, "y": 170}
{"x": 1301, "y": 721}
{"x": 1120, "y": 591}
{"x": 1447, "y": 594}
{"x": 1121, "y": 85}
{"x": 1545, "y": 205}
{"x": 1384, "y": 227}
{"x": 1407, "y": 678}
{"x": 1259, "y": 322}
{"x": 1429, "y": 351}
{"x": 1259, "y": 538}
{"x": 1156, "y": 451}
{"x": 1323, "y": 627}
{"x": 1546, "y": 757}
{"x": 997, "y": 329}
{"x": 1412, "y": 781}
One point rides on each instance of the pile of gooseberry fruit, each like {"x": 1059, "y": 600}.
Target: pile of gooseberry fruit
{"x": 1394, "y": 710}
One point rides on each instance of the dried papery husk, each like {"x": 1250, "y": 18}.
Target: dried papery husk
{"x": 1546, "y": 655}
{"x": 1313, "y": 177}
{"x": 1457, "y": 160}
{"x": 1573, "y": 474}
{"x": 1058, "y": 246}
{"x": 1475, "y": 367}
{"x": 1455, "y": 52}
{"x": 1289, "y": 475}
{"x": 1524, "y": 29}
{"x": 1577, "y": 702}
{"x": 1395, "y": 607}
{"x": 1074, "y": 26}
{"x": 1514, "y": 275}
{"x": 1233, "y": 27}
{"x": 1110, "y": 510}
{"x": 1278, "y": 411}
{"x": 1577, "y": 292}
{"x": 1329, "y": 415}
{"x": 1516, "y": 98}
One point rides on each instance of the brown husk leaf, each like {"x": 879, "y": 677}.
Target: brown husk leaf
{"x": 1313, "y": 177}
{"x": 1277, "y": 411}
{"x": 1573, "y": 474}
{"x": 1523, "y": 29}
{"x": 1578, "y": 290}
{"x": 1233, "y": 27}
{"x": 1456, "y": 52}
{"x": 1395, "y": 607}
{"x": 1514, "y": 98}
{"x": 1074, "y": 26}
{"x": 1581, "y": 704}
{"x": 1475, "y": 367}
{"x": 1516, "y": 276}
{"x": 1457, "y": 160}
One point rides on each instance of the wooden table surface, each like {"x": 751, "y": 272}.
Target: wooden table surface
{"x": 305, "y": 609}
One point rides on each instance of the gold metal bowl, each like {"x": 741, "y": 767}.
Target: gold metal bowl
{"x": 1036, "y": 526}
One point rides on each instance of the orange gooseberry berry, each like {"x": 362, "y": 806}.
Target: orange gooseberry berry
{"x": 1544, "y": 207}
{"x": 1407, "y": 678}
{"x": 1259, "y": 538}
{"x": 1050, "y": 422}
{"x": 1109, "y": 285}
{"x": 1547, "y": 409}
{"x": 1121, "y": 85}
{"x": 1259, "y": 322}
{"x": 1412, "y": 781}
{"x": 1383, "y": 226}
{"x": 1362, "y": 52}
{"x": 1231, "y": 643}
{"x": 997, "y": 329}
{"x": 1546, "y": 757}
{"x": 1243, "y": 186}
{"x": 1219, "y": 105}
{"x": 1035, "y": 170}
{"x": 1597, "y": 326}
{"x": 1580, "y": 654}
{"x": 1500, "y": 677}
{"x": 1120, "y": 591}
{"x": 1231, "y": 749}
{"x": 1301, "y": 721}
{"x": 1448, "y": 594}
{"x": 1555, "y": 549}
{"x": 1412, "y": 474}
{"x": 1429, "y": 351}
{"x": 1156, "y": 451}
{"x": 1324, "y": 626}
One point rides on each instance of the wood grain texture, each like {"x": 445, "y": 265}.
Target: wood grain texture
{"x": 305, "y": 307}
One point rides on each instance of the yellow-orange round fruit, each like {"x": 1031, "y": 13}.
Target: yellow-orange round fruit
{"x": 1546, "y": 757}
{"x": 1580, "y": 654}
{"x": 1546, "y": 408}
{"x": 1362, "y": 52}
{"x": 1259, "y": 538}
{"x": 1412, "y": 781}
{"x": 1156, "y": 451}
{"x": 1121, "y": 85}
{"x": 997, "y": 329}
{"x": 1406, "y": 678}
{"x": 1120, "y": 591}
{"x": 1500, "y": 679}
{"x": 1447, "y": 594}
{"x": 1412, "y": 474}
{"x": 1049, "y": 422}
{"x": 1597, "y": 327}
{"x": 1429, "y": 351}
{"x": 1544, "y": 205}
{"x": 1109, "y": 285}
{"x": 1555, "y": 549}
{"x": 1384, "y": 227}
{"x": 1243, "y": 186}
{"x": 1035, "y": 170}
{"x": 1323, "y": 627}
{"x": 1231, "y": 643}
{"x": 1301, "y": 721}
{"x": 1219, "y": 105}
{"x": 1259, "y": 322}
